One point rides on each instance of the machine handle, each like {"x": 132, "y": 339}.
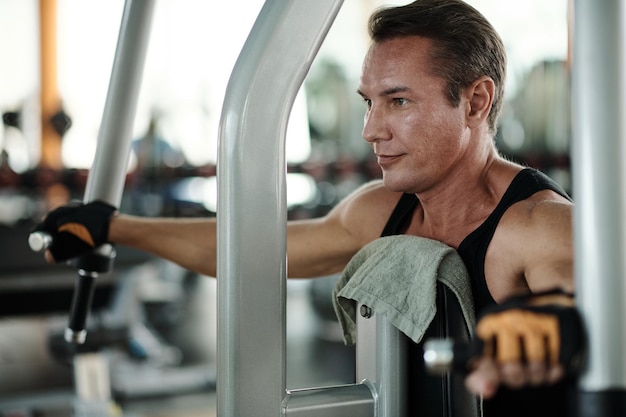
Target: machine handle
{"x": 76, "y": 331}
{"x": 89, "y": 266}
{"x": 446, "y": 355}
{"x": 39, "y": 241}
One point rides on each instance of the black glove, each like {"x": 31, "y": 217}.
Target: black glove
{"x": 77, "y": 228}
{"x": 539, "y": 327}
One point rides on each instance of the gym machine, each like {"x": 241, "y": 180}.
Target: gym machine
{"x": 599, "y": 138}
{"x": 252, "y": 247}
{"x": 106, "y": 182}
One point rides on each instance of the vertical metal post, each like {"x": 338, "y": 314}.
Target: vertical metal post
{"x": 108, "y": 173}
{"x": 598, "y": 152}
{"x": 391, "y": 369}
{"x": 251, "y": 215}
{"x": 382, "y": 362}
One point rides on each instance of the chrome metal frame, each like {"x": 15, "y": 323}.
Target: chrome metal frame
{"x": 599, "y": 179}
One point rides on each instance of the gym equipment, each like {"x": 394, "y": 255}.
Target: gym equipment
{"x": 106, "y": 177}
{"x": 105, "y": 182}
{"x": 599, "y": 137}
{"x": 251, "y": 172}
{"x": 252, "y": 255}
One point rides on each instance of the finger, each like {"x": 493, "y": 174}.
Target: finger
{"x": 531, "y": 329}
{"x": 554, "y": 341}
{"x": 513, "y": 374}
{"x": 509, "y": 347}
{"x": 499, "y": 327}
{"x": 542, "y": 338}
{"x": 523, "y": 341}
{"x": 485, "y": 379}
{"x": 537, "y": 372}
{"x": 555, "y": 373}
{"x": 534, "y": 344}
{"x": 48, "y": 257}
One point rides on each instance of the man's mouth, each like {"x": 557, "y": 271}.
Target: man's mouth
{"x": 387, "y": 159}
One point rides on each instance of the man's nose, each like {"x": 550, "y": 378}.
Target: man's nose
{"x": 374, "y": 128}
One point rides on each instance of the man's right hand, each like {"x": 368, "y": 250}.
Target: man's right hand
{"x": 76, "y": 229}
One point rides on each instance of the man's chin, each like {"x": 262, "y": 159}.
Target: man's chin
{"x": 396, "y": 185}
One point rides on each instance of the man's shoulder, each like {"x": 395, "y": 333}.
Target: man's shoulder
{"x": 366, "y": 210}
{"x": 539, "y": 209}
{"x": 533, "y": 224}
{"x": 373, "y": 195}
{"x": 543, "y": 214}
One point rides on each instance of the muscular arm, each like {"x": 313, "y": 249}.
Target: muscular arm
{"x": 537, "y": 247}
{"x": 532, "y": 250}
{"x": 315, "y": 247}
{"x": 548, "y": 258}
{"x": 191, "y": 243}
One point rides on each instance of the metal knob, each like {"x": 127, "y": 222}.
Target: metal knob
{"x": 439, "y": 355}
{"x": 39, "y": 241}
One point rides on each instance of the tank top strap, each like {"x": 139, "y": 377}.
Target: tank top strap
{"x": 473, "y": 249}
{"x": 401, "y": 215}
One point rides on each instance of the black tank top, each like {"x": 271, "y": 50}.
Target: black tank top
{"x": 548, "y": 401}
{"x": 473, "y": 249}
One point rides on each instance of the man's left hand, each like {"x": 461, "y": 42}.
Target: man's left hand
{"x": 528, "y": 341}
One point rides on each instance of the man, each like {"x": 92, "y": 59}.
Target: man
{"x": 432, "y": 82}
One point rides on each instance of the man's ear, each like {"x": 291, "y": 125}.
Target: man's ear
{"x": 480, "y": 97}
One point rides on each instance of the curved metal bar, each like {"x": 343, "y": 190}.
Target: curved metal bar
{"x": 252, "y": 210}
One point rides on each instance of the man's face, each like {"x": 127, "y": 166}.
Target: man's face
{"x": 416, "y": 134}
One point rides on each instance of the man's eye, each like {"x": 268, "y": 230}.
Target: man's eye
{"x": 400, "y": 101}
{"x": 367, "y": 102}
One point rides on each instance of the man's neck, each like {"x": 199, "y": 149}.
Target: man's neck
{"x": 467, "y": 197}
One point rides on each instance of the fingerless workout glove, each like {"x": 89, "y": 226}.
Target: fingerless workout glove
{"x": 77, "y": 228}
{"x": 540, "y": 327}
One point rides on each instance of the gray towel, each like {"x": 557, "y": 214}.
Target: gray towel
{"x": 396, "y": 276}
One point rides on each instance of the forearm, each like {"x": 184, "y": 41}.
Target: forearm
{"x": 315, "y": 247}
{"x": 190, "y": 243}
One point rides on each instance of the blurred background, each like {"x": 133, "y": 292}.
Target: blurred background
{"x": 154, "y": 323}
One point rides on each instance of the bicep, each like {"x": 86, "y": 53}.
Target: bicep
{"x": 550, "y": 256}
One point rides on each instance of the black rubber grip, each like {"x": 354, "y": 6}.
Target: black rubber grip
{"x": 81, "y": 303}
